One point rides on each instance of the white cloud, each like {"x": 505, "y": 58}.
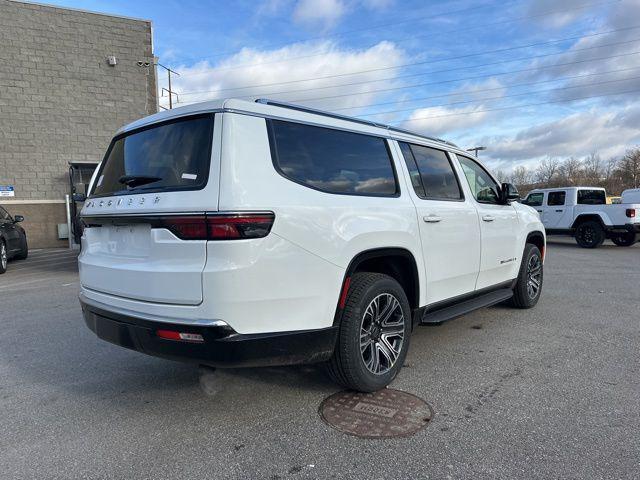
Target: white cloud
{"x": 303, "y": 61}
{"x": 606, "y": 132}
{"x": 319, "y": 12}
{"x": 613, "y": 58}
{"x": 539, "y": 9}
{"x": 435, "y": 121}
{"x": 607, "y": 123}
{"x": 438, "y": 120}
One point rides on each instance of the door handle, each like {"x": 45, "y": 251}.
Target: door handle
{"x": 488, "y": 218}
{"x": 432, "y": 218}
{"x": 539, "y": 211}
{"x": 559, "y": 211}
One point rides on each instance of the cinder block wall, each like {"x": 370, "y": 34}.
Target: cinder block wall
{"x": 61, "y": 101}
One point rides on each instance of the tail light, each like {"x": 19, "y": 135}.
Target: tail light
{"x": 229, "y": 227}
{"x": 180, "y": 336}
{"x": 631, "y": 212}
{"x": 232, "y": 226}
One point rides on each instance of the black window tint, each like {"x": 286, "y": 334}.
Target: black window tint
{"x": 438, "y": 179}
{"x": 413, "y": 169}
{"x": 175, "y": 153}
{"x": 534, "y": 199}
{"x": 333, "y": 161}
{"x": 592, "y": 197}
{"x": 483, "y": 187}
{"x": 556, "y": 198}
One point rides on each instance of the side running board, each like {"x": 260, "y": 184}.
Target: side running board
{"x": 463, "y": 307}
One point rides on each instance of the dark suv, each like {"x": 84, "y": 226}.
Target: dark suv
{"x": 13, "y": 239}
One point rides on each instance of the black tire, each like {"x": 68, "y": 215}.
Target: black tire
{"x": 24, "y": 251}
{"x": 354, "y": 368}
{"x": 4, "y": 257}
{"x": 589, "y": 234}
{"x": 526, "y": 293}
{"x": 624, "y": 239}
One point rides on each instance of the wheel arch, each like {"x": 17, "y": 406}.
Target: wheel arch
{"x": 537, "y": 238}
{"x": 586, "y": 217}
{"x": 396, "y": 262}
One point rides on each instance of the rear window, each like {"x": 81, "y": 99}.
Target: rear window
{"x": 165, "y": 157}
{"x": 592, "y": 197}
{"x": 333, "y": 161}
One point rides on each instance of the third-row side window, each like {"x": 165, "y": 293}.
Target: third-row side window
{"x": 431, "y": 173}
{"x": 333, "y": 161}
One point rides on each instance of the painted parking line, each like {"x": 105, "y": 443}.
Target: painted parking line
{"x": 29, "y": 282}
{"x": 40, "y": 263}
{"x": 42, "y": 253}
{"x": 32, "y": 273}
{"x": 38, "y": 258}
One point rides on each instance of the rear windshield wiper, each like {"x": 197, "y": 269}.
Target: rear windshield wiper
{"x": 133, "y": 181}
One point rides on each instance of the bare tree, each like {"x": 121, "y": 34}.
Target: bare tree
{"x": 570, "y": 172}
{"x": 547, "y": 171}
{"x": 629, "y": 169}
{"x": 593, "y": 169}
{"x": 501, "y": 176}
{"x": 521, "y": 176}
{"x": 612, "y": 181}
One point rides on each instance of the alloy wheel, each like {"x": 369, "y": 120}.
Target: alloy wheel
{"x": 382, "y": 333}
{"x": 534, "y": 276}
{"x": 3, "y": 255}
{"x": 588, "y": 234}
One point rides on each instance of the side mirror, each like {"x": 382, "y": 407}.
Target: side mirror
{"x": 18, "y": 218}
{"x": 79, "y": 197}
{"x": 509, "y": 192}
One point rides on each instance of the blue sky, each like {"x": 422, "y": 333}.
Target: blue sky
{"x": 527, "y": 79}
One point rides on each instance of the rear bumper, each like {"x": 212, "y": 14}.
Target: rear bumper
{"x": 222, "y": 346}
{"x": 629, "y": 227}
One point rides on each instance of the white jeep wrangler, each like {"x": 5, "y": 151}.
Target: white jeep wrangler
{"x": 241, "y": 233}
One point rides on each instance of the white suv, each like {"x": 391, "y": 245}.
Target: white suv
{"x": 241, "y": 233}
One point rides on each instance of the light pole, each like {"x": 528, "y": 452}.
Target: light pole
{"x": 476, "y": 150}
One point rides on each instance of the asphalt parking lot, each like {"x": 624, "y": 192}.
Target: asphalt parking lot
{"x": 552, "y": 392}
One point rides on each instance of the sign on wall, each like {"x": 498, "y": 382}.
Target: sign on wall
{"x": 7, "y": 191}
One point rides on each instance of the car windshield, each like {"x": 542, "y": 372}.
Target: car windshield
{"x": 170, "y": 156}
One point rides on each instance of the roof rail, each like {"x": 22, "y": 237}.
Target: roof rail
{"x": 300, "y": 108}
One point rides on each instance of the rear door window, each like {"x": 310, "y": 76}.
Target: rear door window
{"x": 431, "y": 173}
{"x": 165, "y": 157}
{"x": 592, "y": 197}
{"x": 556, "y": 198}
{"x": 333, "y": 161}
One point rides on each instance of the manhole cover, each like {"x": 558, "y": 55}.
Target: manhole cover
{"x": 383, "y": 414}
